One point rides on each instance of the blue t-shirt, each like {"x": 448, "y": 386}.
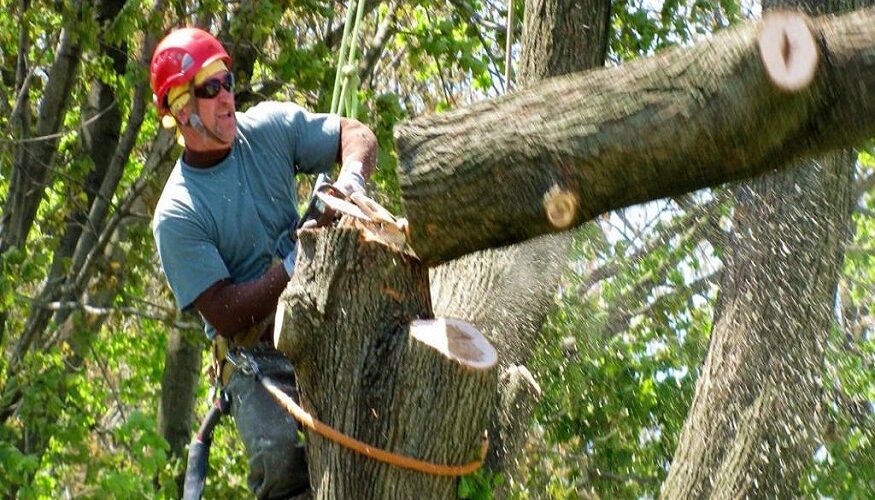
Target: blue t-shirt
{"x": 225, "y": 221}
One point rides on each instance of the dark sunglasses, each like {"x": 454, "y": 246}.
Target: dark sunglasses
{"x": 211, "y": 88}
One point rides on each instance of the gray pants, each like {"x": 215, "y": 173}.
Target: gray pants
{"x": 277, "y": 463}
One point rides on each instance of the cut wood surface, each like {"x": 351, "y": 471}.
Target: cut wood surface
{"x": 559, "y": 153}
{"x": 372, "y": 363}
{"x": 456, "y": 340}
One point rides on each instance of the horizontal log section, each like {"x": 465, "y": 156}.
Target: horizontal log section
{"x": 559, "y": 153}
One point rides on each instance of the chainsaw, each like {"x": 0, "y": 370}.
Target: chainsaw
{"x": 329, "y": 205}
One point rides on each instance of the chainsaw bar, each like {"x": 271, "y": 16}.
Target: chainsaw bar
{"x": 342, "y": 206}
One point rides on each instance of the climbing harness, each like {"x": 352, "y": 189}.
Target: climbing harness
{"x": 226, "y": 359}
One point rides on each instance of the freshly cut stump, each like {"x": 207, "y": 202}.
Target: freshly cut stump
{"x": 457, "y": 341}
{"x": 373, "y": 363}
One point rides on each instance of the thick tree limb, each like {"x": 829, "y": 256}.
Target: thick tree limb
{"x": 560, "y": 153}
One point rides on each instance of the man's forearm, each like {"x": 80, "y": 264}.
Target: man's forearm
{"x": 357, "y": 144}
{"x": 232, "y": 308}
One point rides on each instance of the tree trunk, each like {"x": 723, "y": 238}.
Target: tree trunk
{"x": 754, "y": 416}
{"x": 30, "y": 174}
{"x": 369, "y": 361}
{"x": 182, "y": 363}
{"x": 506, "y": 293}
{"x": 562, "y": 37}
{"x": 559, "y": 153}
{"x": 750, "y": 431}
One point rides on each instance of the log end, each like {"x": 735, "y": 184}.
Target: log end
{"x": 788, "y": 50}
{"x": 561, "y": 207}
{"x": 456, "y": 340}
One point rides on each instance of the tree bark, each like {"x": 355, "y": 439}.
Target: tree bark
{"x": 507, "y": 292}
{"x": 755, "y": 413}
{"x": 371, "y": 363}
{"x": 557, "y": 154}
{"x": 750, "y": 431}
{"x": 562, "y": 37}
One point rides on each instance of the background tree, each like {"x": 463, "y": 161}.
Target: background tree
{"x": 507, "y": 293}
{"x": 772, "y": 325}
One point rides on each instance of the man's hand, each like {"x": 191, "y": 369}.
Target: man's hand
{"x": 351, "y": 179}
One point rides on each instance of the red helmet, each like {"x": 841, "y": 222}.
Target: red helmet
{"x": 179, "y": 57}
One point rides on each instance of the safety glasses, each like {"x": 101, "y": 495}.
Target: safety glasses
{"x": 211, "y": 88}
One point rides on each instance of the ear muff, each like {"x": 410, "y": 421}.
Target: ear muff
{"x": 195, "y": 121}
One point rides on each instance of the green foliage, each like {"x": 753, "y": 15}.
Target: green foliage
{"x": 618, "y": 360}
{"x": 614, "y": 400}
{"x": 479, "y": 486}
{"x": 642, "y": 29}
{"x": 386, "y": 111}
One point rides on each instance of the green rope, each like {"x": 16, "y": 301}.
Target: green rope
{"x": 335, "y": 96}
{"x": 344, "y": 98}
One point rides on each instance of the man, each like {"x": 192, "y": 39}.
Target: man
{"x": 225, "y": 226}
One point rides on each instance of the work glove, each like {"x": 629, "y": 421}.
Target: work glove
{"x": 351, "y": 179}
{"x": 286, "y": 249}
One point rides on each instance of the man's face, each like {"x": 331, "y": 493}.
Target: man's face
{"x": 215, "y": 106}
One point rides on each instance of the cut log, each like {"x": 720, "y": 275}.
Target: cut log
{"x": 559, "y": 153}
{"x": 372, "y": 363}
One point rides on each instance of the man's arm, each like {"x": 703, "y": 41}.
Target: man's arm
{"x": 357, "y": 153}
{"x": 233, "y": 308}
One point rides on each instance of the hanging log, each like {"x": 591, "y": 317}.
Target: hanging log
{"x": 554, "y": 155}
{"x": 373, "y": 363}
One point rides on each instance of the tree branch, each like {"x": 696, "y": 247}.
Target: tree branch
{"x": 697, "y": 115}
{"x": 620, "y": 314}
{"x": 384, "y": 33}
{"x": 168, "y": 317}
{"x": 697, "y": 223}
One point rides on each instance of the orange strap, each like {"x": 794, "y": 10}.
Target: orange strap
{"x": 376, "y": 453}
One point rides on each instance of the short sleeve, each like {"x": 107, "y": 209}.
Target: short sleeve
{"x": 189, "y": 258}
{"x": 317, "y": 140}
{"x": 310, "y": 141}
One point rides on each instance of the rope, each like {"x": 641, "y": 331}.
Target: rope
{"x": 353, "y": 444}
{"x": 344, "y": 99}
